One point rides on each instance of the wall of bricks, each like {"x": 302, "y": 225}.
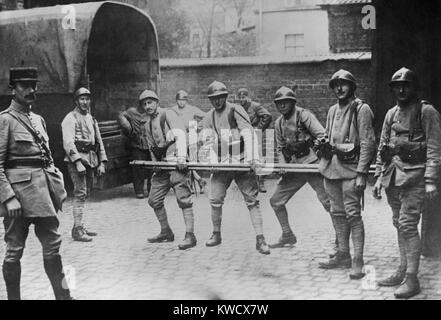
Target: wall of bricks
{"x": 309, "y": 81}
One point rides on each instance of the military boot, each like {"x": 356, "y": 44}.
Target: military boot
{"x": 188, "y": 242}
{"x": 261, "y": 245}
{"x": 89, "y": 233}
{"x": 393, "y": 280}
{"x": 214, "y": 240}
{"x": 331, "y": 255}
{"x": 78, "y": 234}
{"x": 287, "y": 239}
{"x": 357, "y": 269}
{"x": 165, "y": 235}
{"x": 12, "y": 275}
{"x": 54, "y": 271}
{"x": 340, "y": 260}
{"x": 409, "y": 288}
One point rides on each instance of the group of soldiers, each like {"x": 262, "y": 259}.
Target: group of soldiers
{"x": 407, "y": 166}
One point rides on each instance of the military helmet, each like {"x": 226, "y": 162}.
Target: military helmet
{"x": 217, "y": 88}
{"x": 284, "y": 93}
{"x": 404, "y": 75}
{"x": 243, "y": 92}
{"x": 342, "y": 75}
{"x": 82, "y": 92}
{"x": 148, "y": 94}
{"x": 182, "y": 95}
{"x": 22, "y": 74}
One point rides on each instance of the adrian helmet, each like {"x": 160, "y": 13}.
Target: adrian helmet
{"x": 404, "y": 75}
{"x": 148, "y": 94}
{"x": 342, "y": 75}
{"x": 284, "y": 93}
{"x": 217, "y": 88}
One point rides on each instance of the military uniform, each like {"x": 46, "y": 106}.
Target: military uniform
{"x": 227, "y": 127}
{"x": 412, "y": 136}
{"x": 300, "y": 127}
{"x": 78, "y": 127}
{"x": 260, "y": 119}
{"x": 159, "y": 135}
{"x": 348, "y": 127}
{"x": 132, "y": 122}
{"x": 23, "y": 162}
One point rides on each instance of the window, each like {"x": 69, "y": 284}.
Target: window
{"x": 294, "y": 44}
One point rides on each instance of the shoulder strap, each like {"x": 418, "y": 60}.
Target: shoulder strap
{"x": 33, "y": 133}
{"x": 417, "y": 124}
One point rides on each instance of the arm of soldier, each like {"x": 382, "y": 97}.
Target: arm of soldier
{"x": 101, "y": 150}
{"x": 314, "y": 126}
{"x": 7, "y": 194}
{"x": 431, "y": 121}
{"x": 176, "y": 132}
{"x": 385, "y": 134}
{"x": 125, "y": 124}
{"x": 367, "y": 139}
{"x": 280, "y": 144}
{"x": 264, "y": 117}
{"x": 68, "y": 132}
{"x": 246, "y": 130}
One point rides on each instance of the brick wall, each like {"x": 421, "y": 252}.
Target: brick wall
{"x": 309, "y": 80}
{"x": 346, "y": 32}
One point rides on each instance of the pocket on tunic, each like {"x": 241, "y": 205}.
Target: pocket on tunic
{"x": 18, "y": 175}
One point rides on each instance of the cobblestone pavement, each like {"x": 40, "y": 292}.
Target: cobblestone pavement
{"x": 120, "y": 264}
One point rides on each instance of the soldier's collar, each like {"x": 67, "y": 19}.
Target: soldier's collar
{"x": 20, "y": 108}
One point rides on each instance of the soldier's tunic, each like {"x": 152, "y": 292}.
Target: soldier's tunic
{"x": 302, "y": 125}
{"x": 405, "y": 182}
{"x": 260, "y": 118}
{"x": 77, "y": 126}
{"x": 340, "y": 176}
{"x": 27, "y": 183}
{"x": 220, "y": 126}
{"x": 133, "y": 122}
{"x": 159, "y": 133}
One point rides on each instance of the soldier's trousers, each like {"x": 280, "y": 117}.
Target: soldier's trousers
{"x": 82, "y": 187}
{"x": 17, "y": 230}
{"x": 407, "y": 204}
{"x": 247, "y": 184}
{"x": 139, "y": 173}
{"x": 162, "y": 183}
{"x": 290, "y": 183}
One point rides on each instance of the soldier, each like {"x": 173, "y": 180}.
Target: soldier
{"x": 296, "y": 131}
{"x": 164, "y": 145}
{"x": 408, "y": 167}
{"x": 345, "y": 164}
{"x": 188, "y": 113}
{"x": 233, "y": 119}
{"x": 132, "y": 122}
{"x": 85, "y": 154}
{"x": 260, "y": 119}
{"x": 24, "y": 191}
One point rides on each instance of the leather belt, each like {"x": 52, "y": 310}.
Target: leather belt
{"x": 32, "y": 163}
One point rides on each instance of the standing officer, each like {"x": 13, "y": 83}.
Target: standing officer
{"x": 345, "y": 164}
{"x": 132, "y": 122}
{"x": 188, "y": 113}
{"x": 232, "y": 119}
{"x": 408, "y": 167}
{"x": 296, "y": 131}
{"x": 260, "y": 118}
{"x": 168, "y": 145}
{"x": 24, "y": 191}
{"x": 85, "y": 153}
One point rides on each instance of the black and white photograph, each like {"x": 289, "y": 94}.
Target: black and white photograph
{"x": 220, "y": 150}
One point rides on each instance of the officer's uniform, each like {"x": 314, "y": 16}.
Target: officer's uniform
{"x": 346, "y": 127}
{"x": 132, "y": 122}
{"x": 232, "y": 120}
{"x": 301, "y": 126}
{"x": 22, "y": 175}
{"x": 81, "y": 127}
{"x": 260, "y": 118}
{"x": 159, "y": 134}
{"x": 417, "y": 128}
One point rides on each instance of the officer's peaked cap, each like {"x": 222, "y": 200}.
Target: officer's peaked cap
{"x": 22, "y": 74}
